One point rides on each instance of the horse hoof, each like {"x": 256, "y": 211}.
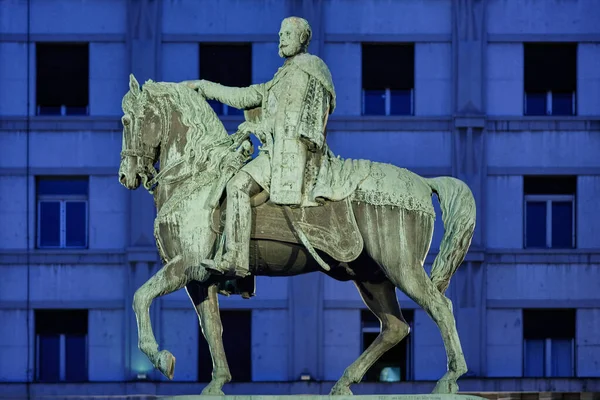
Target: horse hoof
{"x": 166, "y": 364}
{"x": 212, "y": 390}
{"x": 445, "y": 386}
{"x": 341, "y": 391}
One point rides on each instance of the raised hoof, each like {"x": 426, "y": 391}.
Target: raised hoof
{"x": 213, "y": 390}
{"x": 166, "y": 364}
{"x": 341, "y": 391}
{"x": 445, "y": 386}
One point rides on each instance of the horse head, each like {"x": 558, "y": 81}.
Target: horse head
{"x": 142, "y": 131}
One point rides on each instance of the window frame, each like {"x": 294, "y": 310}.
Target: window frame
{"x": 388, "y": 103}
{"x": 549, "y": 199}
{"x": 62, "y": 358}
{"x": 548, "y": 358}
{"x": 62, "y": 200}
{"x": 549, "y": 110}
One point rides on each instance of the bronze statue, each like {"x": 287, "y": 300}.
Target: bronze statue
{"x": 311, "y": 211}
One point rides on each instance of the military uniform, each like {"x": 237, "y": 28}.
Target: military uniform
{"x": 294, "y": 107}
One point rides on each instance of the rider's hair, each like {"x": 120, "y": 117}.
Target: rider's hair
{"x": 304, "y": 26}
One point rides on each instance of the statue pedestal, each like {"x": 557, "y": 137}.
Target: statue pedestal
{"x": 325, "y": 397}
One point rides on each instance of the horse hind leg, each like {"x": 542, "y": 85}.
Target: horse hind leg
{"x": 171, "y": 277}
{"x": 381, "y": 299}
{"x": 399, "y": 241}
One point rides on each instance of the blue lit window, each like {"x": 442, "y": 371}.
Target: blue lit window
{"x": 388, "y": 78}
{"x": 62, "y": 212}
{"x": 548, "y": 347}
{"x": 61, "y": 345}
{"x": 388, "y": 102}
{"x": 549, "y": 213}
{"x": 550, "y": 78}
{"x": 549, "y": 103}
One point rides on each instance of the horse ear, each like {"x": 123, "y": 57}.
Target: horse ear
{"x": 134, "y": 86}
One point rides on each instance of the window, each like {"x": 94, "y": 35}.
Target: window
{"x": 61, "y": 345}
{"x": 62, "y": 78}
{"x": 550, "y": 78}
{"x": 550, "y": 211}
{"x": 388, "y": 79}
{"x": 228, "y": 64}
{"x": 549, "y": 343}
{"x": 396, "y": 364}
{"x": 62, "y": 212}
{"x": 237, "y": 340}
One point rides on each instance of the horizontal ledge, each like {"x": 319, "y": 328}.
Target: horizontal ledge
{"x": 219, "y": 38}
{"x": 63, "y": 37}
{"x": 549, "y": 123}
{"x": 349, "y": 123}
{"x": 230, "y": 304}
{"x": 547, "y": 256}
{"x": 69, "y": 257}
{"x": 503, "y": 171}
{"x": 387, "y": 37}
{"x": 543, "y": 37}
{"x": 61, "y": 171}
{"x": 69, "y": 304}
{"x": 544, "y": 303}
{"x": 67, "y": 123}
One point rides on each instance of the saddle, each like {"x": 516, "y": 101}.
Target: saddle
{"x": 331, "y": 227}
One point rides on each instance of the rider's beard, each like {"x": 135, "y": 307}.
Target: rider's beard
{"x": 290, "y": 50}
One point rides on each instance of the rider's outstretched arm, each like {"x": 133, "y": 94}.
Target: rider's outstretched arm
{"x": 242, "y": 98}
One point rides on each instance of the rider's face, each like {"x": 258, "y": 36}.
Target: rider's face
{"x": 289, "y": 39}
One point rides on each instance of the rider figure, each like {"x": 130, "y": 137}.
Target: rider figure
{"x": 294, "y": 106}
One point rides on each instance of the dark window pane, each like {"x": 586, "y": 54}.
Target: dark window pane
{"x": 534, "y": 358}
{"x": 49, "y": 224}
{"x": 536, "y": 224}
{"x": 550, "y": 66}
{"x": 49, "y": 358}
{"x": 54, "y": 322}
{"x": 75, "y": 357}
{"x": 562, "y": 224}
{"x": 228, "y": 64}
{"x": 374, "y": 102}
{"x": 542, "y": 323}
{"x": 400, "y": 102}
{"x": 62, "y": 72}
{"x": 49, "y": 110}
{"x": 216, "y": 106}
{"x": 550, "y": 184}
{"x": 73, "y": 110}
{"x": 536, "y": 103}
{"x": 562, "y": 104}
{"x": 76, "y": 231}
{"x": 562, "y": 357}
{"x": 62, "y": 186}
{"x": 388, "y": 66}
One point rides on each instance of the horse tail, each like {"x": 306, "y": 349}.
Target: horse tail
{"x": 458, "y": 214}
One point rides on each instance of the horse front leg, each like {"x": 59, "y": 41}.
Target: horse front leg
{"x": 206, "y": 303}
{"x": 168, "y": 279}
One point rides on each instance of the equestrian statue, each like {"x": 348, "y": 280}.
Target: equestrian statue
{"x": 224, "y": 218}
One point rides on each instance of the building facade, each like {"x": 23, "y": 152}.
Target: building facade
{"x": 504, "y": 94}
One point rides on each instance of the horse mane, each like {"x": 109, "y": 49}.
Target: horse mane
{"x": 206, "y": 135}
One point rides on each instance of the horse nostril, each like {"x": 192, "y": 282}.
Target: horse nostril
{"x": 122, "y": 178}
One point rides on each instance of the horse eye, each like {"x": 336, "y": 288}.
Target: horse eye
{"x": 125, "y": 121}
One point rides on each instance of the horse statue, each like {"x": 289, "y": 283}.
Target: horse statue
{"x": 378, "y": 237}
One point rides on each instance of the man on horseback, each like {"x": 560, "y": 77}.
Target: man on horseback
{"x": 294, "y": 107}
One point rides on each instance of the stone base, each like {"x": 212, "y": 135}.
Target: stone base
{"x": 324, "y": 397}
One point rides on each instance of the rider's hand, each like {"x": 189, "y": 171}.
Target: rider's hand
{"x": 246, "y": 128}
{"x": 196, "y": 85}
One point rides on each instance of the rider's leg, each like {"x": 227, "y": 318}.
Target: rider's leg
{"x": 238, "y": 223}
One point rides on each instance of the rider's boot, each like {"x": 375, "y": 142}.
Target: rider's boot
{"x": 236, "y": 260}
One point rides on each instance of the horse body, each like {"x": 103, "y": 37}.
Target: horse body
{"x": 395, "y": 225}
